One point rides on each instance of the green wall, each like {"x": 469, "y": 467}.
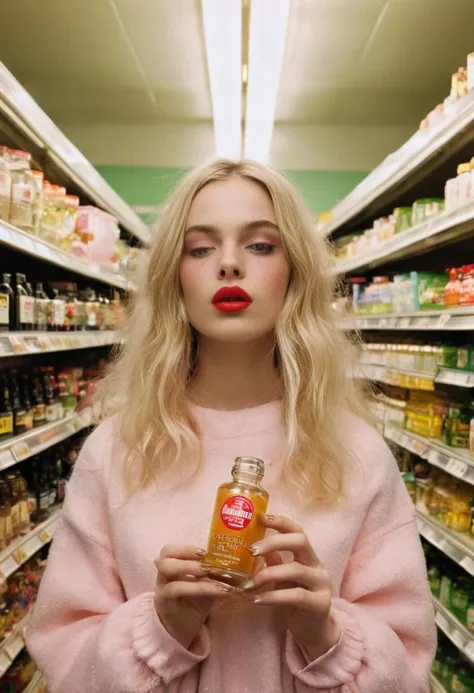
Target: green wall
{"x": 140, "y": 185}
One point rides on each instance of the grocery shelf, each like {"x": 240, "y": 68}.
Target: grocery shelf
{"x": 36, "y": 685}
{"x": 454, "y": 630}
{"x": 457, "y": 545}
{"x": 415, "y": 380}
{"x": 26, "y": 243}
{"x": 23, "y": 548}
{"x": 436, "y": 686}
{"x": 440, "y": 229}
{"x": 427, "y": 320}
{"x": 391, "y": 376}
{"x": 33, "y": 442}
{"x": 452, "y": 460}
{"x": 13, "y": 644}
{"x": 27, "y": 343}
{"x": 406, "y": 162}
{"x": 33, "y": 124}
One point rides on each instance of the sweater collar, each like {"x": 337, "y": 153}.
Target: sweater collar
{"x": 239, "y": 423}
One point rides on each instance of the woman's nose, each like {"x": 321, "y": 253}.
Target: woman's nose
{"x": 230, "y": 265}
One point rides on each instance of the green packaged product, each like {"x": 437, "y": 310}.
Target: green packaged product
{"x": 426, "y": 208}
{"x": 403, "y": 218}
{"x": 465, "y": 359}
{"x": 445, "y": 590}
{"x": 460, "y": 598}
{"x": 434, "y": 578}
{"x": 430, "y": 290}
{"x": 448, "y": 356}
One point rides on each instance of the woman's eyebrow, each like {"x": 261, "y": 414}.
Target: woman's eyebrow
{"x": 247, "y": 226}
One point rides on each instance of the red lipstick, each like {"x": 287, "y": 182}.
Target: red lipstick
{"x": 231, "y": 299}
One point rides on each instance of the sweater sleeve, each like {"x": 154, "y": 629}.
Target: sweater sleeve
{"x": 84, "y": 634}
{"x": 388, "y": 633}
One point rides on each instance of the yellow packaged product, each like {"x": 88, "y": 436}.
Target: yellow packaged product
{"x": 459, "y": 514}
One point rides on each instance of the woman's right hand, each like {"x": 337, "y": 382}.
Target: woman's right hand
{"x": 184, "y": 594}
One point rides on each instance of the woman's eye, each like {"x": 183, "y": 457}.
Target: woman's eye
{"x": 199, "y": 252}
{"x": 262, "y": 248}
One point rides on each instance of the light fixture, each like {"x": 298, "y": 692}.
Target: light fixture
{"x": 223, "y": 37}
{"x": 268, "y": 25}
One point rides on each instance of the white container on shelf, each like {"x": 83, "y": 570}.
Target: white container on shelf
{"x": 464, "y": 184}
{"x": 451, "y": 194}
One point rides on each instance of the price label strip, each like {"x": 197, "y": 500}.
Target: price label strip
{"x": 443, "y": 320}
{"x": 15, "y": 646}
{"x": 457, "y": 468}
{"x": 21, "y": 450}
{"x": 6, "y": 459}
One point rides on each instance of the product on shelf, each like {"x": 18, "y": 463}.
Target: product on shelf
{"x": 57, "y": 306}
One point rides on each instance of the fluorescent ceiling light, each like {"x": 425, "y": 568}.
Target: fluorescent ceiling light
{"x": 268, "y": 25}
{"x": 223, "y": 35}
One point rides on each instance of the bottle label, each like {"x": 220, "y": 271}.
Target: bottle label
{"x": 39, "y": 413}
{"x": 27, "y": 309}
{"x": 5, "y": 184}
{"x": 24, "y": 513}
{"x": 29, "y": 420}
{"x": 16, "y": 517}
{"x": 23, "y": 194}
{"x": 237, "y": 512}
{"x": 51, "y": 412}
{"x": 20, "y": 419}
{"x": 6, "y": 424}
{"x": 59, "y": 312}
{"x": 4, "y": 309}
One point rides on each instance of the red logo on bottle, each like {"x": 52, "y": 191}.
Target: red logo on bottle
{"x": 237, "y": 512}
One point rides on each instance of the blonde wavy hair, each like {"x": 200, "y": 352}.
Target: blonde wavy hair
{"x": 147, "y": 379}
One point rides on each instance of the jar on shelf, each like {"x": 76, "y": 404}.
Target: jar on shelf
{"x": 71, "y": 206}
{"x": 38, "y": 177}
{"x": 23, "y": 190}
{"x": 463, "y": 184}
{"x": 5, "y": 185}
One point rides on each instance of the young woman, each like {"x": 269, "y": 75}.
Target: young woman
{"x": 341, "y": 602}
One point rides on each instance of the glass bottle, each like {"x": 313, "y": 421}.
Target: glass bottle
{"x": 7, "y": 304}
{"x": 23, "y": 190}
{"x": 5, "y": 185}
{"x": 6, "y": 529}
{"x": 15, "y": 502}
{"x": 19, "y": 412}
{"x": 37, "y": 400}
{"x": 41, "y": 308}
{"x": 26, "y": 400}
{"x": 24, "y": 305}
{"x": 237, "y": 523}
{"x": 25, "y": 523}
{"x": 6, "y": 413}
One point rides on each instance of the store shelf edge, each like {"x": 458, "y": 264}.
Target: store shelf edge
{"x": 402, "y": 163}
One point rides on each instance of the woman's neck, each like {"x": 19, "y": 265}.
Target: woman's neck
{"x": 235, "y": 376}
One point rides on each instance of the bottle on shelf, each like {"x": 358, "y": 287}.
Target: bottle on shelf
{"x": 6, "y": 413}
{"x": 41, "y": 308}
{"x": 37, "y": 399}
{"x": 57, "y": 312}
{"x": 25, "y": 313}
{"x": 70, "y": 322}
{"x": 25, "y": 522}
{"x": 51, "y": 408}
{"x": 14, "y": 493}
{"x": 23, "y": 190}
{"x": 7, "y": 304}
{"x": 19, "y": 411}
{"x": 26, "y": 400}
{"x": 6, "y": 528}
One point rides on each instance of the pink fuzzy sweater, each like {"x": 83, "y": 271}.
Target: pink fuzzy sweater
{"x": 95, "y": 629}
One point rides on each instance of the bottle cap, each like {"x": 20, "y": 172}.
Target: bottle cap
{"x": 252, "y": 465}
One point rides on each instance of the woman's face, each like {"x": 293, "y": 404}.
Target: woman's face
{"x": 232, "y": 241}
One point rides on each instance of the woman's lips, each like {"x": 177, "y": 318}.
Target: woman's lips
{"x": 231, "y": 299}
{"x": 232, "y": 306}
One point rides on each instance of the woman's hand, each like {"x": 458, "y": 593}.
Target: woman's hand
{"x": 301, "y": 589}
{"x": 184, "y": 595}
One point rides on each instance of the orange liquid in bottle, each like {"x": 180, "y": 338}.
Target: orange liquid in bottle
{"x": 237, "y": 523}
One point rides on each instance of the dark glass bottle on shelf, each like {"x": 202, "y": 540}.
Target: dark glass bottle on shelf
{"x": 19, "y": 412}
{"x": 7, "y": 304}
{"x": 6, "y": 413}
{"x": 26, "y": 400}
{"x": 24, "y": 304}
{"x": 37, "y": 399}
{"x": 41, "y": 308}
{"x": 6, "y": 529}
{"x": 14, "y": 493}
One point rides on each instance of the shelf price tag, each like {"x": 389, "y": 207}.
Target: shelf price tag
{"x": 383, "y": 322}
{"x": 14, "y": 647}
{"x": 404, "y": 323}
{"x": 5, "y": 662}
{"x": 456, "y": 467}
{"x": 443, "y": 320}
{"x": 423, "y": 322}
{"x": 469, "y": 650}
{"x": 20, "y": 556}
{"x": 442, "y": 621}
{"x": 468, "y": 564}
{"x": 21, "y": 450}
{"x": 6, "y": 459}
{"x": 5, "y": 346}
{"x": 45, "y": 536}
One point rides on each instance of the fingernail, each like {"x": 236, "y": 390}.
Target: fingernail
{"x": 190, "y": 577}
{"x": 206, "y": 568}
{"x": 201, "y": 552}
{"x": 256, "y": 599}
{"x": 269, "y": 518}
{"x": 247, "y": 585}
{"x": 254, "y": 550}
{"x": 226, "y": 588}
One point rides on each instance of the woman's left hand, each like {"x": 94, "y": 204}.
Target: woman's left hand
{"x": 301, "y": 588}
